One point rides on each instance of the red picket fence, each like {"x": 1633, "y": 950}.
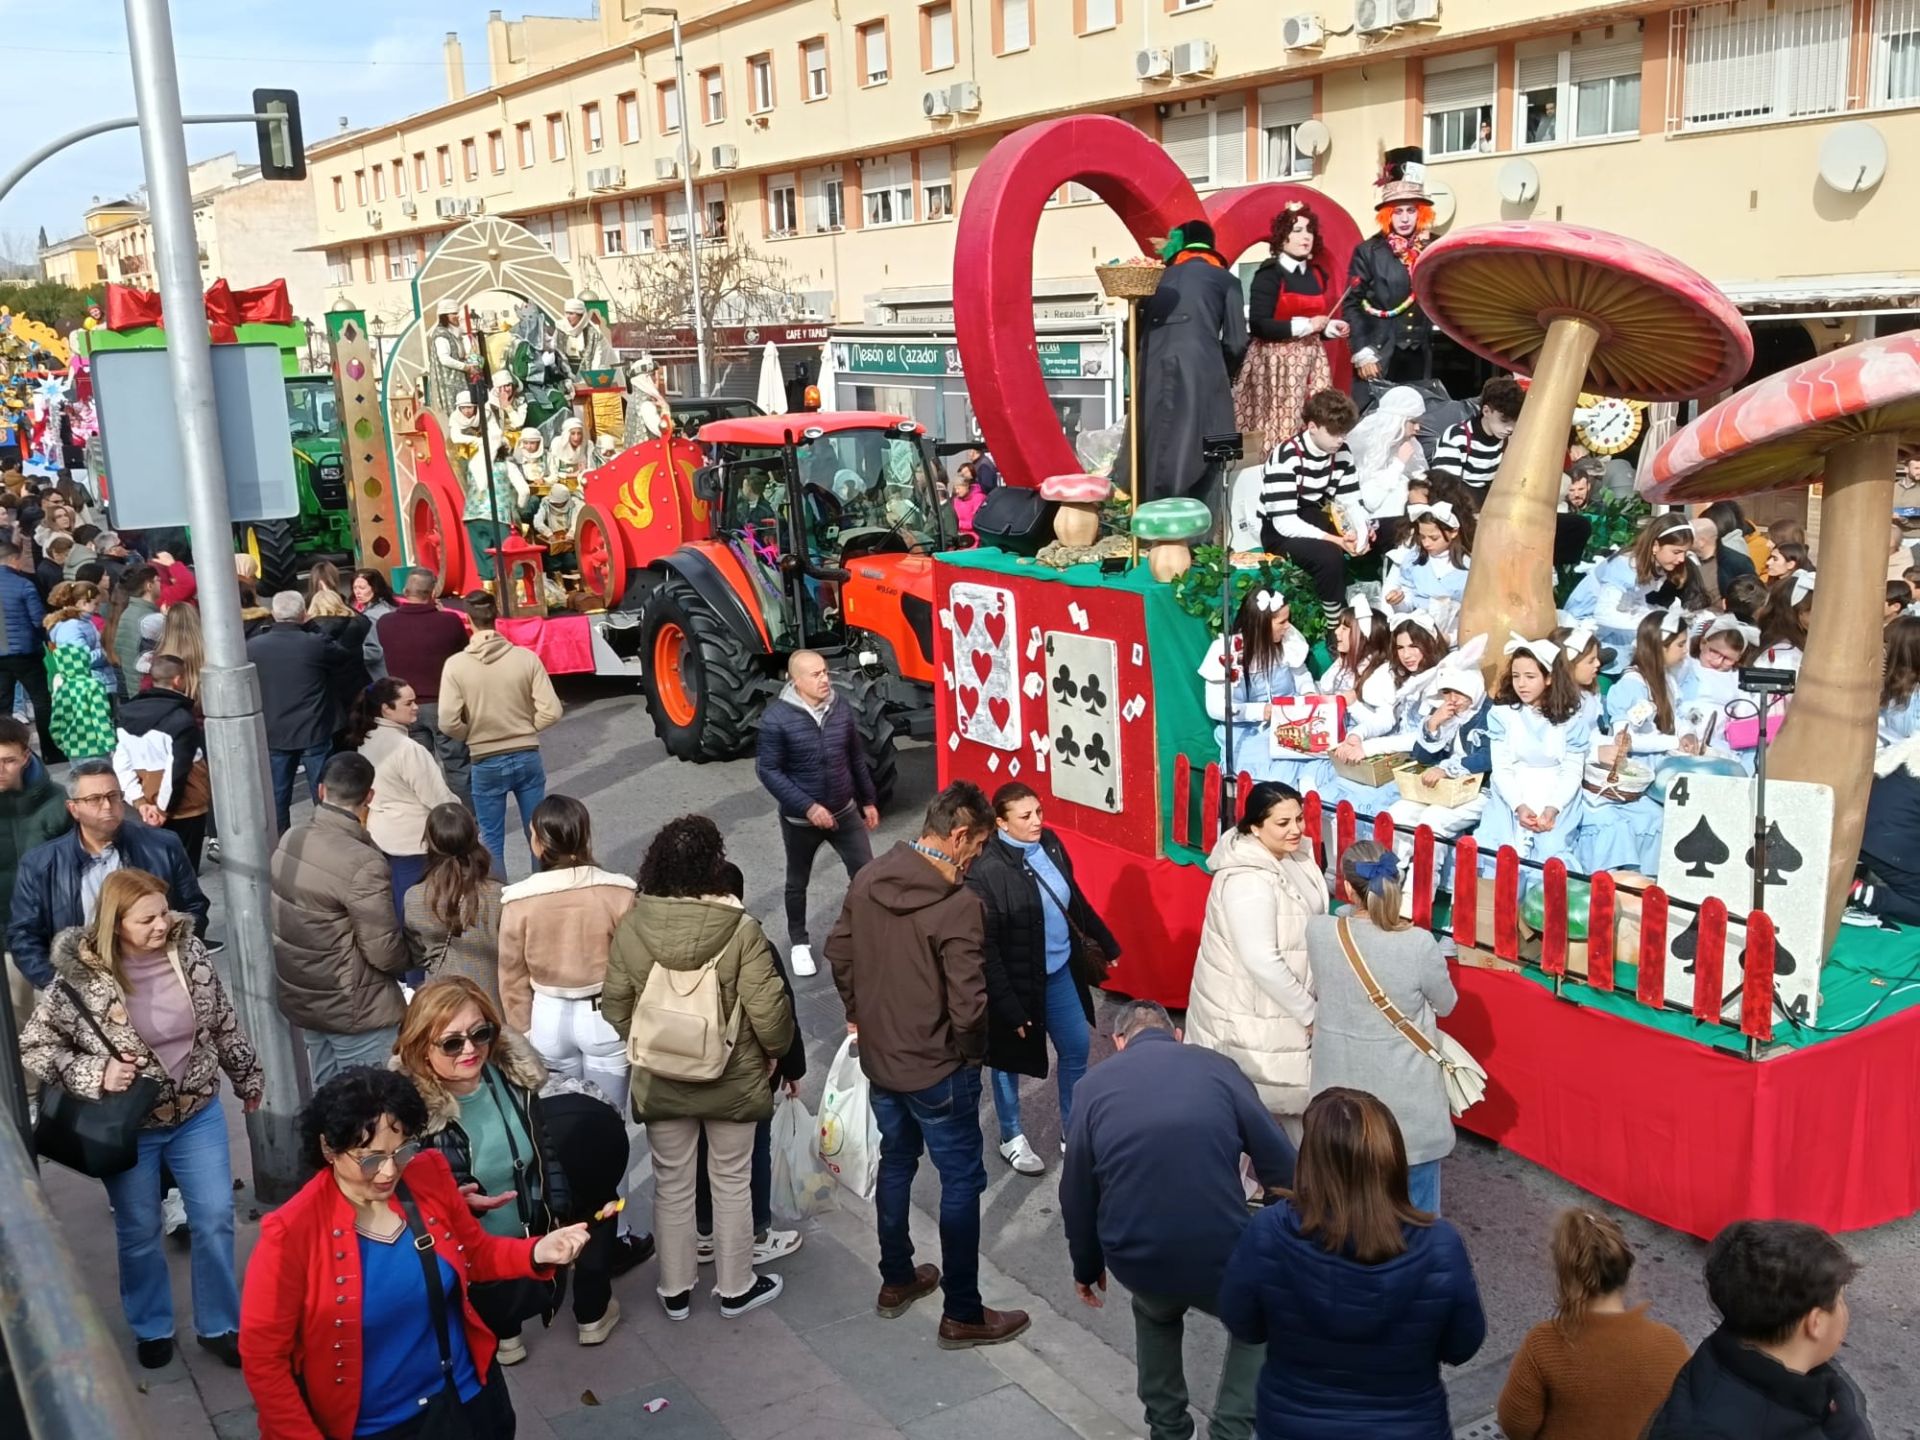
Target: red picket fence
{"x": 1603, "y": 905}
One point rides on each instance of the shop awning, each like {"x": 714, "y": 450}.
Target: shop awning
{"x": 1795, "y": 296}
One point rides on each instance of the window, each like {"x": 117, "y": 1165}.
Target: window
{"x": 676, "y": 217}
{"x": 1588, "y": 91}
{"x": 1283, "y": 110}
{"x": 626, "y": 227}
{"x": 1016, "y": 26}
{"x": 1100, "y": 15}
{"x": 713, "y": 96}
{"x": 813, "y": 66}
{"x": 379, "y": 182}
{"x": 668, "y": 96}
{"x": 936, "y": 36}
{"x": 402, "y": 261}
{"x": 1742, "y": 64}
{"x": 590, "y": 130}
{"x": 420, "y": 172}
{"x": 613, "y": 240}
{"x": 873, "y": 53}
{"x": 1207, "y": 139}
{"x": 1179, "y": 5}
{"x": 444, "y": 156}
{"x": 936, "y": 183}
{"x": 359, "y": 187}
{"x": 551, "y": 230}
{"x": 629, "y": 118}
{"x": 1459, "y": 104}
{"x": 339, "y": 192}
{"x": 556, "y": 137}
{"x": 1895, "y": 61}
{"x": 783, "y": 206}
{"x": 886, "y": 189}
{"x": 339, "y": 267}
{"x": 497, "y": 152}
{"x": 713, "y": 211}
{"x": 826, "y": 199}
{"x": 399, "y": 168}
{"x": 760, "y": 83}
{"x": 470, "y": 159}
{"x": 523, "y": 141}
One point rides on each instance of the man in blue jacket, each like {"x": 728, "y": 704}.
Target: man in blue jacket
{"x": 1156, "y": 1110}
{"x": 59, "y": 882}
{"x": 23, "y": 641}
{"x": 814, "y": 764}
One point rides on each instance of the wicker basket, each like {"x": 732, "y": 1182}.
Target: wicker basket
{"x": 1374, "y": 770}
{"x": 1129, "y": 282}
{"x": 1451, "y": 791}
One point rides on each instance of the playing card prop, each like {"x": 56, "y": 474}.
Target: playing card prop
{"x": 1307, "y": 724}
{"x": 1083, "y": 719}
{"x": 985, "y": 669}
{"x": 1706, "y": 851}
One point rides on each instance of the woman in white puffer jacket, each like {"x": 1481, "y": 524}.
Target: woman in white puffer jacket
{"x": 1252, "y": 997}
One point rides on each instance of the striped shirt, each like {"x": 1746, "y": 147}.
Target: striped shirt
{"x": 1468, "y": 452}
{"x": 1300, "y": 482}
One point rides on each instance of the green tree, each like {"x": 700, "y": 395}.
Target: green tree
{"x": 60, "y": 306}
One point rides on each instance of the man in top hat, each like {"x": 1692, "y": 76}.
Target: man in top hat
{"x": 582, "y": 341}
{"x": 1195, "y": 331}
{"x": 1392, "y": 337}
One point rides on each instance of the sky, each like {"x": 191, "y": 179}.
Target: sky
{"x": 66, "y": 66}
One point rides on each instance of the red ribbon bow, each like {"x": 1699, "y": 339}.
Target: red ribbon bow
{"x": 130, "y": 309}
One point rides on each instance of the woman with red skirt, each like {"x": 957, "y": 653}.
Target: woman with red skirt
{"x": 1288, "y": 313}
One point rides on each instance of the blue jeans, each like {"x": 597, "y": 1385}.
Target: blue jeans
{"x": 196, "y": 1152}
{"x": 329, "y": 1054}
{"x": 945, "y": 1118}
{"x": 1423, "y": 1186}
{"x": 1066, "y": 1025}
{"x": 284, "y": 763}
{"x": 518, "y": 773}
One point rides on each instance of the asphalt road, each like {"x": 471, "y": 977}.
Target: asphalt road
{"x": 605, "y": 753}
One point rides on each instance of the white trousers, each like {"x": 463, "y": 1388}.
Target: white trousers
{"x": 576, "y": 1042}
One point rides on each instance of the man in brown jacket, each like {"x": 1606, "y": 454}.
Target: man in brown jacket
{"x": 338, "y": 945}
{"x": 906, "y": 957}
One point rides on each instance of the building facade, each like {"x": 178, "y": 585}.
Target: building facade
{"x": 74, "y": 262}
{"x": 833, "y": 146}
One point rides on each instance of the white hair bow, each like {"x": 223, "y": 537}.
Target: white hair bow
{"x": 1802, "y": 585}
{"x": 1578, "y": 639}
{"x": 1362, "y": 611}
{"x": 1673, "y": 621}
{"x": 1441, "y": 512}
{"x": 1269, "y": 602}
{"x": 1421, "y": 618}
{"x": 1732, "y": 625}
{"x": 1543, "y": 649}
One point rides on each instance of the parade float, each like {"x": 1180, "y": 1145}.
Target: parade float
{"x": 1695, "y": 1049}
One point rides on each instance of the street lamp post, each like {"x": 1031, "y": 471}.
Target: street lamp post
{"x": 686, "y": 183}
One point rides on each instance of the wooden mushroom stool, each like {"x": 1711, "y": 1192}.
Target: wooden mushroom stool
{"x": 1076, "y": 521}
{"x": 1169, "y": 527}
{"x": 1578, "y": 309}
{"x": 1840, "y": 420}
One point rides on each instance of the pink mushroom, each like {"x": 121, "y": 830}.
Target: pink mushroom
{"x": 1077, "y": 521}
{"x": 1578, "y": 309}
{"x": 1839, "y": 420}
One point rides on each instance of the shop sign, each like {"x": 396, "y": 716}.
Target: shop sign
{"x": 1059, "y": 359}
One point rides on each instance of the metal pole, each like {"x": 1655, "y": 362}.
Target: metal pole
{"x": 229, "y": 686}
{"x": 104, "y": 127}
{"x": 686, "y": 184}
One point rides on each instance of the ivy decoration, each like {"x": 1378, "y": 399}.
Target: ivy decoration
{"x": 1615, "y": 519}
{"x": 1197, "y": 590}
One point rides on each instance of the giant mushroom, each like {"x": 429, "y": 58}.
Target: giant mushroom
{"x": 1578, "y": 309}
{"x": 1839, "y": 420}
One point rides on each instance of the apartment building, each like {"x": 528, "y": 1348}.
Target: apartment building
{"x": 835, "y": 144}
{"x": 74, "y": 261}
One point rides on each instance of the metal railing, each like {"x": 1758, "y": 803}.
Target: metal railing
{"x": 1749, "y": 63}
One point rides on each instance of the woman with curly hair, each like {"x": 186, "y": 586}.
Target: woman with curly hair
{"x": 1291, "y": 316}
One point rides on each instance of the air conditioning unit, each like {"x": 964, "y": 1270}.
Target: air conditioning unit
{"x": 1303, "y": 32}
{"x": 449, "y": 209}
{"x": 726, "y": 157}
{"x": 933, "y": 104}
{"x": 475, "y": 206}
{"x": 666, "y": 168}
{"x": 1195, "y": 57}
{"x": 1416, "y": 12}
{"x": 607, "y": 177}
{"x": 376, "y": 219}
{"x": 1373, "y": 17}
{"x": 1157, "y": 64}
{"x": 964, "y": 97}
{"x": 409, "y": 209}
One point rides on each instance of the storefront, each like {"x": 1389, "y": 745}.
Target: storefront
{"x": 735, "y": 354}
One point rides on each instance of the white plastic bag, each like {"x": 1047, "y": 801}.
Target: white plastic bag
{"x": 849, "y": 1135}
{"x": 802, "y": 1186}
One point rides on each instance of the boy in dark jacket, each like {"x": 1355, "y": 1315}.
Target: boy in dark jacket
{"x": 1769, "y": 1370}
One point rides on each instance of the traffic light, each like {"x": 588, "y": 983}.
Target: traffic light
{"x": 283, "y": 154}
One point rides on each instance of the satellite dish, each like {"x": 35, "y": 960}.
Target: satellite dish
{"x": 1440, "y": 196}
{"x": 1853, "y": 159}
{"x": 1519, "y": 182}
{"x": 1312, "y": 137}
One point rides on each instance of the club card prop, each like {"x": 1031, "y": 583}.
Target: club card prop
{"x": 1707, "y": 851}
{"x": 1083, "y": 718}
{"x": 985, "y": 669}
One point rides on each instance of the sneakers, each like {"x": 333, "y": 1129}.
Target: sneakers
{"x": 173, "y": 1217}
{"x": 511, "y": 1351}
{"x": 896, "y": 1300}
{"x": 678, "y": 1307}
{"x": 802, "y": 961}
{"x": 765, "y": 1289}
{"x": 996, "y": 1327}
{"x": 767, "y": 1245}
{"x": 226, "y": 1347}
{"x": 596, "y": 1332}
{"x": 1017, "y": 1153}
{"x": 630, "y": 1252}
{"x": 154, "y": 1354}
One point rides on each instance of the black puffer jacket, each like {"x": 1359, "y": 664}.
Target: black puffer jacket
{"x": 1016, "y": 950}
{"x": 804, "y": 762}
{"x": 1729, "y": 1391}
{"x": 515, "y": 1062}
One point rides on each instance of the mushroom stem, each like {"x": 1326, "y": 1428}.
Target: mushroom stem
{"x": 1510, "y": 586}
{"x": 1828, "y": 735}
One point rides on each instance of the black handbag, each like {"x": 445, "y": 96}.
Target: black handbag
{"x": 1014, "y": 518}
{"x": 96, "y": 1137}
{"x": 444, "y": 1417}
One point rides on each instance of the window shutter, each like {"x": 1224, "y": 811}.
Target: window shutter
{"x": 1602, "y": 61}
{"x": 1819, "y": 36}
{"x": 1014, "y": 29}
{"x": 875, "y": 40}
{"x": 1286, "y": 104}
{"x": 936, "y": 165}
{"x": 1188, "y": 141}
{"x": 1531, "y": 73}
{"x": 1457, "y": 88}
{"x": 940, "y": 28}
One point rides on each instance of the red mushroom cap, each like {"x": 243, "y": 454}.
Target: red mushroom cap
{"x": 1775, "y": 435}
{"x": 1665, "y": 332}
{"x": 1076, "y": 489}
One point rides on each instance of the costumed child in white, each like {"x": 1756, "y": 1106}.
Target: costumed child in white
{"x": 1361, "y": 673}
{"x": 1654, "y": 571}
{"x": 1270, "y": 663}
{"x": 1900, "y": 687}
{"x": 1415, "y": 647}
{"x": 570, "y": 455}
{"x": 1450, "y": 742}
{"x": 1580, "y": 652}
{"x": 1539, "y": 742}
{"x": 1783, "y": 621}
{"x": 1644, "y": 710}
{"x": 1710, "y": 693}
{"x": 1386, "y": 452}
{"x": 1433, "y": 577}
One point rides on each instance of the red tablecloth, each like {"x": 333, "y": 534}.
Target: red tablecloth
{"x": 564, "y": 643}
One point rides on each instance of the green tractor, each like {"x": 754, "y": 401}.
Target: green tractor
{"x": 323, "y": 530}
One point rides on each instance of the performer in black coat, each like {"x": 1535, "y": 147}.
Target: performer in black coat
{"x": 1195, "y": 330}
{"x": 1392, "y": 336}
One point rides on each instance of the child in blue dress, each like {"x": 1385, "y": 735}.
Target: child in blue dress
{"x": 1450, "y": 741}
{"x": 1900, "y": 687}
{"x": 1654, "y": 571}
{"x": 1433, "y": 577}
{"x": 1270, "y": 663}
{"x": 1539, "y": 742}
{"x": 1643, "y": 709}
{"x": 1415, "y": 648}
{"x": 1783, "y": 623}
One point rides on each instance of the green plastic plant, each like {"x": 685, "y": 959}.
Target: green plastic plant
{"x": 1197, "y": 591}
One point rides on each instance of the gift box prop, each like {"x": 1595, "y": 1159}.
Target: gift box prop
{"x": 262, "y": 315}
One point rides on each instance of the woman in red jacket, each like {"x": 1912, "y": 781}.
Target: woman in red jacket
{"x": 338, "y": 1335}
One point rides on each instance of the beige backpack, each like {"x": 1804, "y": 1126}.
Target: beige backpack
{"x": 678, "y": 1031}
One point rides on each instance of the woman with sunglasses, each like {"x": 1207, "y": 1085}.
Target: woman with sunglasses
{"x": 358, "y": 1282}
{"x": 527, "y": 1150}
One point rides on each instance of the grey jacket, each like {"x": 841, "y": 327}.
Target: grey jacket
{"x": 1354, "y": 1046}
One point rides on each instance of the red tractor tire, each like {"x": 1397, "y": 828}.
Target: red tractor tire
{"x": 600, "y": 549}
{"x": 438, "y": 545}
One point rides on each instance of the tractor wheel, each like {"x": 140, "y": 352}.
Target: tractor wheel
{"x": 698, "y": 677}
{"x": 271, "y": 544}
{"x": 436, "y": 547}
{"x": 599, "y": 553}
{"x": 876, "y": 734}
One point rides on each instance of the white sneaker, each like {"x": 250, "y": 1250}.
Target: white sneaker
{"x": 802, "y": 960}
{"x": 1017, "y": 1153}
{"x": 173, "y": 1212}
{"x": 775, "y": 1245}
{"x": 511, "y": 1351}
